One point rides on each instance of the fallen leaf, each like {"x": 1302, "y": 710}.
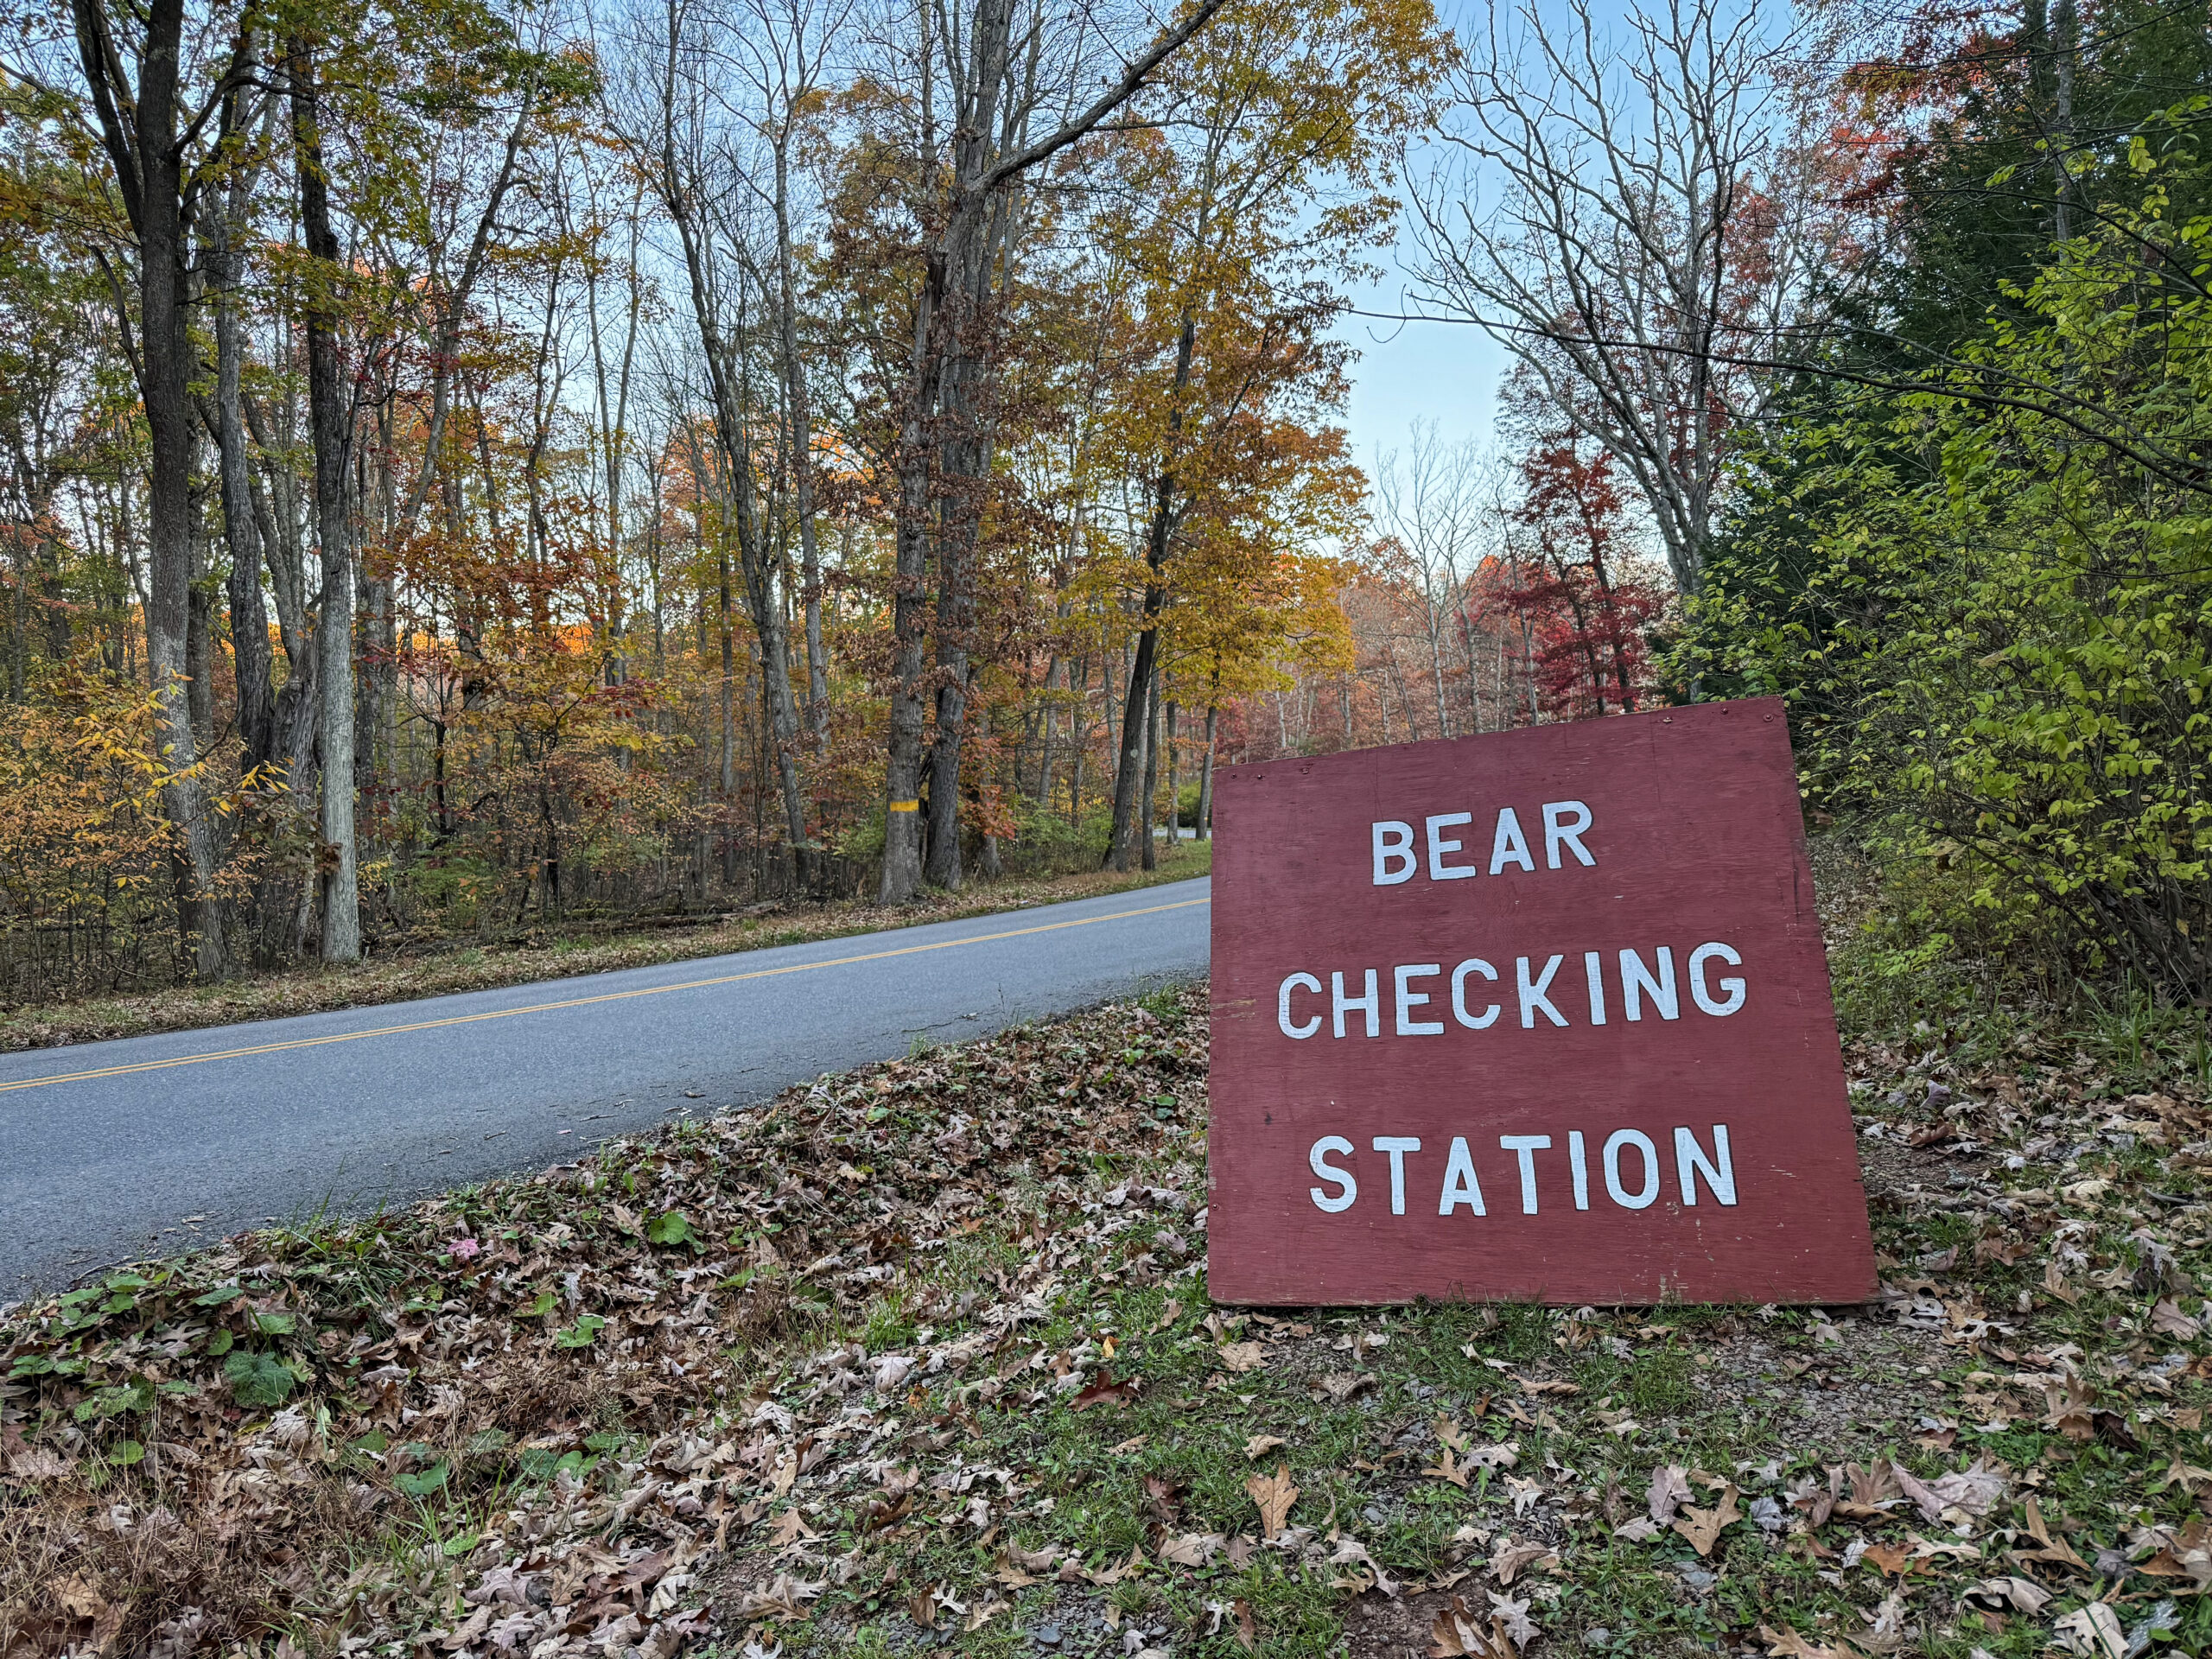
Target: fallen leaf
{"x": 2094, "y": 1631}
{"x": 1788, "y": 1644}
{"x": 1243, "y": 1356}
{"x": 1704, "y": 1527}
{"x": 790, "y": 1527}
{"x": 1892, "y": 1560}
{"x": 1670, "y": 1486}
{"x": 1248, "y": 1628}
{"x": 1444, "y": 1469}
{"x": 1259, "y": 1445}
{"x": 1103, "y": 1390}
{"x": 1274, "y": 1494}
{"x": 1508, "y": 1559}
{"x": 2167, "y": 1319}
{"x": 1461, "y": 1632}
{"x": 2022, "y": 1595}
{"x": 1192, "y": 1548}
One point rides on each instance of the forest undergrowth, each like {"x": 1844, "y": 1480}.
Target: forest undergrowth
{"x": 919, "y": 1359}
{"x": 549, "y": 950}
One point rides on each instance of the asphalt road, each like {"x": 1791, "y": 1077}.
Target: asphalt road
{"x": 151, "y": 1145}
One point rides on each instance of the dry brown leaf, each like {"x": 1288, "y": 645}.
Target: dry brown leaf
{"x": 2167, "y": 1319}
{"x": 1704, "y": 1527}
{"x": 1462, "y": 1632}
{"x": 984, "y": 1614}
{"x": 1508, "y": 1559}
{"x": 921, "y": 1607}
{"x": 1259, "y": 1445}
{"x": 2094, "y": 1629}
{"x": 1444, "y": 1469}
{"x": 2021, "y": 1595}
{"x": 1192, "y": 1548}
{"x": 1243, "y": 1356}
{"x": 1788, "y": 1644}
{"x": 1893, "y": 1560}
{"x": 1248, "y": 1628}
{"x": 1670, "y": 1488}
{"x": 1103, "y": 1390}
{"x": 790, "y": 1527}
{"x": 1274, "y": 1495}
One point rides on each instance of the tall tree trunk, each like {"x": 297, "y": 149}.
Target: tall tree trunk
{"x": 729, "y": 635}
{"x": 1175, "y": 783}
{"x": 330, "y": 419}
{"x": 1205, "y": 778}
{"x": 795, "y": 397}
{"x": 250, "y": 653}
{"x": 138, "y": 128}
{"x": 1164, "y": 512}
{"x": 1151, "y": 770}
{"x": 901, "y": 876}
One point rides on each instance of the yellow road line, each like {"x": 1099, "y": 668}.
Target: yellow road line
{"x": 580, "y": 1002}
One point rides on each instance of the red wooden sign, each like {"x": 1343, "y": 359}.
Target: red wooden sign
{"x": 1537, "y": 1016}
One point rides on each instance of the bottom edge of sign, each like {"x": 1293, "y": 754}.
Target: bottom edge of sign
{"x": 1231, "y": 1293}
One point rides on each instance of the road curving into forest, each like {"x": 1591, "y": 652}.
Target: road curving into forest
{"x": 151, "y": 1144}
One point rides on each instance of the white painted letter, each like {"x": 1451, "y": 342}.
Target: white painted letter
{"x": 1558, "y": 829}
{"x": 1316, "y": 1161}
{"x": 1408, "y": 1000}
{"x": 1438, "y": 869}
{"x": 1472, "y": 965}
{"x": 1578, "y": 1161}
{"x": 1528, "y": 1145}
{"x": 1509, "y": 845}
{"x": 1533, "y": 997}
{"x": 1642, "y": 1142}
{"x": 1460, "y": 1185}
{"x": 1397, "y": 1146}
{"x": 1341, "y": 1005}
{"x": 1690, "y": 1162}
{"x": 1593, "y": 970}
{"x": 1635, "y": 981}
{"x": 1393, "y": 840}
{"x": 1733, "y": 987}
{"x": 1282, "y": 1006}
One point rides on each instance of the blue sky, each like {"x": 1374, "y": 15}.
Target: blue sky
{"x": 1443, "y": 372}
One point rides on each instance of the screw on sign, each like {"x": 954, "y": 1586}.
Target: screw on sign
{"x": 1537, "y": 1015}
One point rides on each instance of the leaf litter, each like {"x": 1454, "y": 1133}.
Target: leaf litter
{"x": 887, "y": 1355}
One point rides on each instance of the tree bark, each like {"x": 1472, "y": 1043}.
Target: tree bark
{"x": 1150, "y": 772}
{"x": 1164, "y": 514}
{"x": 1205, "y": 779}
{"x": 330, "y": 418}
{"x": 138, "y": 129}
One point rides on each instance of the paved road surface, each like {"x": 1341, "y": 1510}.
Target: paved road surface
{"x": 152, "y": 1144}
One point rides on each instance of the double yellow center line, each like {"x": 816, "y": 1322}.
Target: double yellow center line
{"x": 580, "y": 1002}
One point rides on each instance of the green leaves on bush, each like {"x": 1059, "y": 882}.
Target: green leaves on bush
{"x": 257, "y": 1378}
{"x": 421, "y": 1483}
{"x": 672, "y": 1228}
{"x": 582, "y": 1333}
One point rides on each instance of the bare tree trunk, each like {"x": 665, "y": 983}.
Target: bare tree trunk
{"x": 1175, "y": 782}
{"x": 1164, "y": 512}
{"x": 250, "y": 651}
{"x": 330, "y": 422}
{"x": 795, "y": 397}
{"x": 138, "y": 128}
{"x": 1205, "y": 778}
{"x": 1151, "y": 772}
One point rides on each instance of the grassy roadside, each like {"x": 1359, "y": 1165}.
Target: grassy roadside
{"x": 919, "y": 1359}
{"x": 546, "y": 954}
